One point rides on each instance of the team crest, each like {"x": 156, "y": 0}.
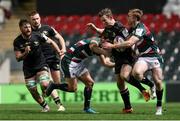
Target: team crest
{"x": 45, "y": 32}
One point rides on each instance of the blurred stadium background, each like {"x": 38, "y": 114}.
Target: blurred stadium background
{"x": 69, "y": 18}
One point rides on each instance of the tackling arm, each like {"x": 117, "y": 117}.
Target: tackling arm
{"x": 126, "y": 44}
{"x": 106, "y": 61}
{"x": 96, "y": 49}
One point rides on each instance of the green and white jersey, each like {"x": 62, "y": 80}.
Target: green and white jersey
{"x": 146, "y": 44}
{"x": 81, "y": 50}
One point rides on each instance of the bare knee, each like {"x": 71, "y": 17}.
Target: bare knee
{"x": 137, "y": 75}
{"x": 124, "y": 77}
{"x": 72, "y": 88}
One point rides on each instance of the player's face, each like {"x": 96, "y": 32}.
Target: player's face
{"x": 35, "y": 20}
{"x": 131, "y": 20}
{"x": 26, "y": 29}
{"x": 107, "y": 20}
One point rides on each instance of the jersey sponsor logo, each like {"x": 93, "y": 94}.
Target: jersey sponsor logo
{"x": 36, "y": 43}
{"x": 45, "y": 32}
{"x": 139, "y": 32}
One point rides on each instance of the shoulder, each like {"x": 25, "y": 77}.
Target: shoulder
{"x": 118, "y": 24}
{"x": 17, "y": 39}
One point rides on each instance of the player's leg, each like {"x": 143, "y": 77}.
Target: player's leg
{"x": 156, "y": 65}
{"x": 86, "y": 78}
{"x": 32, "y": 87}
{"x": 158, "y": 77}
{"x": 55, "y": 74}
{"x": 139, "y": 68}
{"x": 124, "y": 92}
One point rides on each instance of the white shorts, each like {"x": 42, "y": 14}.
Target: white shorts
{"x": 152, "y": 62}
{"x": 77, "y": 69}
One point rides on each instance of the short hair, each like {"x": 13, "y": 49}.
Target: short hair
{"x": 137, "y": 13}
{"x": 32, "y": 13}
{"x": 23, "y": 21}
{"x": 105, "y": 11}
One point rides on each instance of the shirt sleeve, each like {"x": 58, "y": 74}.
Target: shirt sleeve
{"x": 139, "y": 32}
{"x": 51, "y": 31}
{"x": 16, "y": 46}
{"x": 41, "y": 38}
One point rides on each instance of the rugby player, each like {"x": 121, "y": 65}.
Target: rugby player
{"x": 52, "y": 59}
{"x": 74, "y": 68}
{"x": 27, "y": 49}
{"x": 149, "y": 58}
{"x": 124, "y": 58}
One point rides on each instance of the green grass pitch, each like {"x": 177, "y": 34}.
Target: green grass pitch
{"x": 74, "y": 111}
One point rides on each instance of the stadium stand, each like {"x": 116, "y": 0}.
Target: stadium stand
{"x": 73, "y": 27}
{"x": 166, "y": 31}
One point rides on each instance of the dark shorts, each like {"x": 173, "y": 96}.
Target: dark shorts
{"x": 55, "y": 66}
{"x": 53, "y": 63}
{"x": 30, "y": 72}
{"x": 120, "y": 62}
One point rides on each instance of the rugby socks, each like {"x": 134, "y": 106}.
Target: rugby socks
{"x": 57, "y": 101}
{"x": 159, "y": 94}
{"x": 126, "y": 98}
{"x": 63, "y": 87}
{"x": 43, "y": 104}
{"x": 136, "y": 83}
{"x": 87, "y": 96}
{"x": 146, "y": 81}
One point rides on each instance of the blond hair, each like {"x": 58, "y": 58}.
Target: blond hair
{"x": 136, "y": 13}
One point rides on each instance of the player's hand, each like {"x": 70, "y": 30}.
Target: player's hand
{"x": 107, "y": 45}
{"x": 91, "y": 26}
{"x": 61, "y": 54}
{"x": 27, "y": 49}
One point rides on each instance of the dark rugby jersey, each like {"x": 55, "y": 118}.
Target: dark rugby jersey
{"x": 35, "y": 58}
{"x": 47, "y": 49}
{"x": 118, "y": 30}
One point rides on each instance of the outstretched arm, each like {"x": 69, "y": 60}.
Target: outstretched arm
{"x": 61, "y": 41}
{"x": 98, "y": 50}
{"x": 126, "y": 44}
{"x": 106, "y": 61}
{"x": 93, "y": 27}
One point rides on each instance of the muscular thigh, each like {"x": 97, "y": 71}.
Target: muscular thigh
{"x": 157, "y": 74}
{"x": 140, "y": 67}
{"x": 125, "y": 71}
{"x": 86, "y": 79}
{"x": 72, "y": 83}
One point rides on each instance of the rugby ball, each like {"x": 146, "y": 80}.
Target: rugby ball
{"x": 117, "y": 40}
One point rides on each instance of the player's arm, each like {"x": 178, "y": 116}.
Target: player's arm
{"x": 61, "y": 41}
{"x": 93, "y": 27}
{"x": 21, "y": 56}
{"x": 126, "y": 44}
{"x": 54, "y": 45}
{"x": 106, "y": 61}
{"x": 96, "y": 49}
